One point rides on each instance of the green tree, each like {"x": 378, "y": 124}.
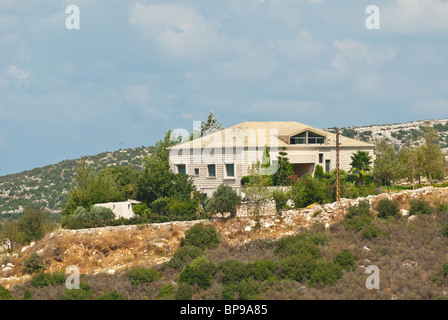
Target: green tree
{"x": 256, "y": 189}
{"x": 434, "y": 161}
{"x": 361, "y": 161}
{"x": 224, "y": 199}
{"x": 284, "y": 169}
{"x": 412, "y": 159}
{"x": 387, "y": 166}
{"x": 207, "y": 127}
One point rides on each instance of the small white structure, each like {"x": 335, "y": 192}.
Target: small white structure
{"x": 120, "y": 209}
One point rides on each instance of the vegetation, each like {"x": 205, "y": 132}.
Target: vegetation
{"x": 139, "y": 275}
{"x": 201, "y": 236}
{"x": 224, "y": 199}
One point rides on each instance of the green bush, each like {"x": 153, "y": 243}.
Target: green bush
{"x": 442, "y": 208}
{"x": 184, "y": 292}
{"x": 370, "y": 232}
{"x": 233, "y": 271}
{"x": 308, "y": 190}
{"x": 419, "y": 206}
{"x": 388, "y": 209}
{"x": 362, "y": 209}
{"x": 112, "y": 295}
{"x": 139, "y": 275}
{"x": 41, "y": 279}
{"x": 262, "y": 270}
{"x": 160, "y": 206}
{"x": 184, "y": 255}
{"x": 297, "y": 267}
{"x": 243, "y": 290}
{"x": 281, "y": 198}
{"x": 166, "y": 292}
{"x": 34, "y": 263}
{"x": 319, "y": 238}
{"x": 319, "y": 172}
{"x": 200, "y": 271}
{"x": 83, "y": 293}
{"x": 5, "y": 294}
{"x": 224, "y": 199}
{"x": 325, "y": 273}
{"x": 299, "y": 244}
{"x": 201, "y": 236}
{"x": 345, "y": 260}
{"x": 32, "y": 223}
{"x": 358, "y": 223}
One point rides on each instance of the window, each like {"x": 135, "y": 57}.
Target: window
{"x": 307, "y": 137}
{"x": 196, "y": 171}
{"x": 230, "y": 170}
{"x": 321, "y": 158}
{"x": 211, "y": 170}
{"x": 181, "y": 168}
{"x": 327, "y": 165}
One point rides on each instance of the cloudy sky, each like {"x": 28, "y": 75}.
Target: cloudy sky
{"x": 137, "y": 68}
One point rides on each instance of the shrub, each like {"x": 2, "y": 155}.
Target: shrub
{"x": 233, "y": 271}
{"x": 5, "y": 294}
{"x": 182, "y": 255}
{"x": 32, "y": 224}
{"x": 244, "y": 290}
{"x": 326, "y": 273}
{"x": 34, "y": 263}
{"x": 262, "y": 270}
{"x": 83, "y": 293}
{"x": 41, "y": 279}
{"x": 281, "y": 198}
{"x": 27, "y": 294}
{"x": 319, "y": 238}
{"x": 388, "y": 209}
{"x": 201, "y": 236}
{"x": 166, "y": 292}
{"x": 362, "y": 209}
{"x": 442, "y": 208}
{"x": 112, "y": 295}
{"x": 358, "y": 223}
{"x": 139, "y": 275}
{"x": 184, "y": 292}
{"x": 419, "y": 206}
{"x": 160, "y": 206}
{"x": 308, "y": 190}
{"x": 297, "y": 267}
{"x": 224, "y": 199}
{"x": 345, "y": 260}
{"x": 370, "y": 232}
{"x": 299, "y": 244}
{"x": 319, "y": 172}
{"x": 200, "y": 271}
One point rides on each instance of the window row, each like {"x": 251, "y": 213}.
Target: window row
{"x": 211, "y": 170}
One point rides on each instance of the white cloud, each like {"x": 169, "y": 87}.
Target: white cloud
{"x": 149, "y": 101}
{"x": 415, "y": 16}
{"x": 179, "y": 30}
{"x": 354, "y": 53}
{"x": 300, "y": 49}
{"x": 20, "y": 76}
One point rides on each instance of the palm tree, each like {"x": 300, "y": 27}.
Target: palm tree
{"x": 361, "y": 162}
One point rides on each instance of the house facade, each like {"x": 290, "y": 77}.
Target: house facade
{"x": 120, "y": 209}
{"x": 224, "y": 157}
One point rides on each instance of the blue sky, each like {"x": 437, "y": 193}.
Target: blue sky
{"x": 135, "y": 69}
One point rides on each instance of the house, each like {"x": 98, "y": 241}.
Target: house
{"x": 120, "y": 209}
{"x": 225, "y": 156}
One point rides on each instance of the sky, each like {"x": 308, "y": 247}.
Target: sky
{"x": 135, "y": 69}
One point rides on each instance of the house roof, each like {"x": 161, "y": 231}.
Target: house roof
{"x": 256, "y": 134}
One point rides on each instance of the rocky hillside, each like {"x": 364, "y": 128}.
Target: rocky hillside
{"x": 47, "y": 187}
{"x": 399, "y": 133}
{"x": 409, "y": 250}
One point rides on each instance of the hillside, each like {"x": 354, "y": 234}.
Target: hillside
{"x": 47, "y": 187}
{"x": 399, "y": 134}
{"x": 411, "y": 251}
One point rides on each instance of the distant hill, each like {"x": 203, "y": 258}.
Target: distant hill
{"x": 47, "y": 187}
{"x": 399, "y": 134}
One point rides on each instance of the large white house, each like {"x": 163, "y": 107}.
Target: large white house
{"x": 225, "y": 156}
